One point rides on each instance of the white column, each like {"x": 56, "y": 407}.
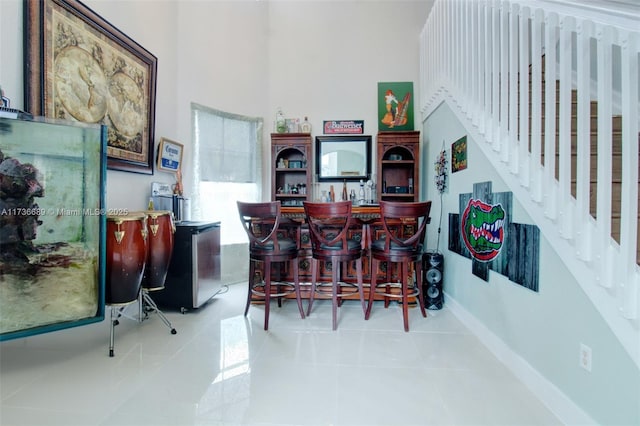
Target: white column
{"x": 583, "y": 159}
{"x": 629, "y": 206}
{"x": 604, "y": 36}
{"x": 513, "y": 88}
{"x": 536, "y": 106}
{"x": 500, "y": 141}
{"x": 550, "y": 197}
{"x": 564, "y": 178}
{"x": 523, "y": 142}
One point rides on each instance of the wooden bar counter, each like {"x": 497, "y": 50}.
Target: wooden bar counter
{"x": 371, "y": 228}
{"x": 368, "y": 212}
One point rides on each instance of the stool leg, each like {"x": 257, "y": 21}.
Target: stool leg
{"x": 252, "y": 272}
{"x": 278, "y": 281}
{"x": 405, "y": 294}
{"x": 360, "y": 284}
{"x": 334, "y": 297}
{"x": 419, "y": 288}
{"x": 314, "y": 275}
{"x": 372, "y": 288}
{"x": 388, "y": 287}
{"x": 267, "y": 293}
{"x": 296, "y": 282}
{"x": 343, "y": 265}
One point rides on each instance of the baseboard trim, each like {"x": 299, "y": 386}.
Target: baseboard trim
{"x": 552, "y": 397}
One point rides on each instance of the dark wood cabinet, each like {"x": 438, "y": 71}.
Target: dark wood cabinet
{"x": 398, "y": 167}
{"x": 291, "y": 168}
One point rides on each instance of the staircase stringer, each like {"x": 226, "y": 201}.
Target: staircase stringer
{"x": 586, "y": 273}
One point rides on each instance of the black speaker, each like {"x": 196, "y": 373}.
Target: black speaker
{"x": 433, "y": 269}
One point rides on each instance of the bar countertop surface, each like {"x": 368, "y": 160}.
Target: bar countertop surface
{"x": 363, "y": 212}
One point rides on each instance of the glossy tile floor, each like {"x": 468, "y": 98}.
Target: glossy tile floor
{"x": 224, "y": 369}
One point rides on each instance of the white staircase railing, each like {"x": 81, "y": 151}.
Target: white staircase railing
{"x": 487, "y": 59}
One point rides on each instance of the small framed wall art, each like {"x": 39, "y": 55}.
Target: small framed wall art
{"x": 395, "y": 106}
{"x": 169, "y": 155}
{"x": 459, "y": 155}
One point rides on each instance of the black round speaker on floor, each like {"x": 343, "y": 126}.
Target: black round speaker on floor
{"x": 433, "y": 268}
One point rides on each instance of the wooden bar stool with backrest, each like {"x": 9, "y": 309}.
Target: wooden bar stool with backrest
{"x": 329, "y": 225}
{"x": 395, "y": 247}
{"x": 268, "y": 243}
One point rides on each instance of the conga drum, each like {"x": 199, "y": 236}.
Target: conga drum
{"x": 127, "y": 250}
{"x": 161, "y": 230}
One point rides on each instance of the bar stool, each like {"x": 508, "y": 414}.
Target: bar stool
{"x": 404, "y": 250}
{"x": 263, "y": 224}
{"x": 329, "y": 226}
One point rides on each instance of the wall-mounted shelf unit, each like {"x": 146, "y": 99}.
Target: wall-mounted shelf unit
{"x": 291, "y": 163}
{"x": 398, "y": 172}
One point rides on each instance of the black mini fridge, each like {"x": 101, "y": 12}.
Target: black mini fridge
{"x": 194, "y": 274}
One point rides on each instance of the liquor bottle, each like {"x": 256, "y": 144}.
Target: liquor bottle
{"x": 281, "y": 124}
{"x": 361, "y": 195}
{"x": 345, "y": 195}
{"x": 305, "y": 126}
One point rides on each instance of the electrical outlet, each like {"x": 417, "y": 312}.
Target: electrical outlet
{"x": 585, "y": 357}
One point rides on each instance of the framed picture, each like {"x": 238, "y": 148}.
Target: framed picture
{"x": 459, "y": 155}
{"x": 169, "y": 155}
{"x": 293, "y": 125}
{"x": 79, "y": 67}
{"x": 395, "y": 106}
{"x": 334, "y": 127}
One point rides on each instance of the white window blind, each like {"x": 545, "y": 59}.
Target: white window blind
{"x": 227, "y": 150}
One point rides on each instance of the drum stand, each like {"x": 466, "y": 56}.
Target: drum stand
{"x": 148, "y": 305}
{"x": 117, "y": 311}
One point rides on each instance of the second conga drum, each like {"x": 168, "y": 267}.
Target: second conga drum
{"x": 161, "y": 230}
{"x": 127, "y": 250}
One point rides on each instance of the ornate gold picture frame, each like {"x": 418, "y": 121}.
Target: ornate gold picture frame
{"x": 79, "y": 67}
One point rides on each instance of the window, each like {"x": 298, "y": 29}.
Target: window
{"x": 227, "y": 167}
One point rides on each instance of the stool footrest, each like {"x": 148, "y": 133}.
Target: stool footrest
{"x": 341, "y": 284}
{"x": 413, "y": 290}
{"x": 274, "y": 284}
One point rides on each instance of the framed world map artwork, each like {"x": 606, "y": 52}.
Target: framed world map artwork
{"x": 79, "y": 67}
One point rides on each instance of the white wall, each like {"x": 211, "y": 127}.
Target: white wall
{"x": 542, "y": 330}
{"x": 323, "y": 59}
{"x": 320, "y": 59}
{"x": 124, "y": 190}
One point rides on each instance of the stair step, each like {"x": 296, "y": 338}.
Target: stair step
{"x": 593, "y": 108}
{"x": 615, "y": 234}
{"x": 616, "y": 165}
{"x": 593, "y": 190}
{"x": 615, "y": 211}
{"x": 616, "y": 142}
{"x": 616, "y": 122}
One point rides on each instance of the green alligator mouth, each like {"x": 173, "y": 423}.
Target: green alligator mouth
{"x": 482, "y": 228}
